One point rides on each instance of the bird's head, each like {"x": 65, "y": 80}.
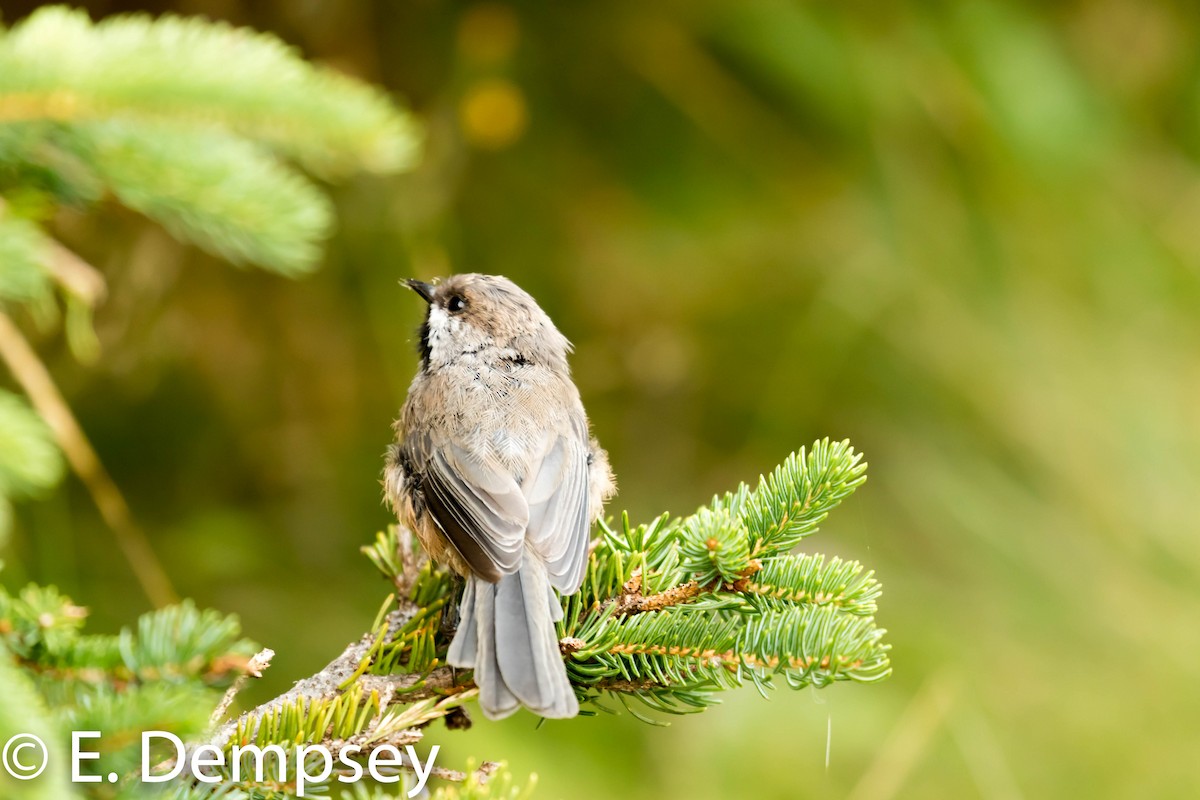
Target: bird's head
{"x": 486, "y": 317}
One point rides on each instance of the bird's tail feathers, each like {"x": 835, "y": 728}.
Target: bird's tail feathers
{"x": 506, "y": 634}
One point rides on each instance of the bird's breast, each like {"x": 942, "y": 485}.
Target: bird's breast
{"x": 499, "y": 416}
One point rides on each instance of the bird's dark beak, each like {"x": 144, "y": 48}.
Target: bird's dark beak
{"x": 421, "y": 288}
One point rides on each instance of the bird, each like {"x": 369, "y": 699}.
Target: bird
{"x": 495, "y": 470}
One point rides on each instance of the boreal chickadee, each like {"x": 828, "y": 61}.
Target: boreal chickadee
{"x": 495, "y": 471}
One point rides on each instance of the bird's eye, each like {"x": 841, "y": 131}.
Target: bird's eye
{"x": 456, "y": 304}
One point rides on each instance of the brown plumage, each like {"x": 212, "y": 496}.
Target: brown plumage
{"x": 495, "y": 472}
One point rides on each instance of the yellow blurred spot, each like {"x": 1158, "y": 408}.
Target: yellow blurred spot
{"x": 488, "y": 33}
{"x": 493, "y": 114}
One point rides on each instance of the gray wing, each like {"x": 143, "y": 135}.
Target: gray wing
{"x": 557, "y": 494}
{"x": 481, "y": 510}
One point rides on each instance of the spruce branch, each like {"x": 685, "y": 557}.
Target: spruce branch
{"x": 264, "y": 212}
{"x": 198, "y": 125}
{"x": 788, "y": 579}
{"x": 670, "y": 614}
{"x": 41, "y": 629}
{"x": 164, "y": 673}
{"x": 677, "y": 609}
{"x": 797, "y": 496}
{"x": 57, "y": 65}
{"x": 342, "y": 676}
{"x": 344, "y": 706}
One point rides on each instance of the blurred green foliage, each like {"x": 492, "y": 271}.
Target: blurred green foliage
{"x": 960, "y": 234}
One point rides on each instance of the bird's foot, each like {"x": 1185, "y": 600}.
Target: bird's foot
{"x": 451, "y": 612}
{"x": 458, "y": 719}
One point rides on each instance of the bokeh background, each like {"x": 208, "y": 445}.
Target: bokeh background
{"x": 964, "y": 235}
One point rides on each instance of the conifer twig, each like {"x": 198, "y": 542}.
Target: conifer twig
{"x": 254, "y": 668}
{"x": 326, "y": 682}
{"x": 632, "y": 601}
{"x": 75, "y": 275}
{"x": 392, "y": 690}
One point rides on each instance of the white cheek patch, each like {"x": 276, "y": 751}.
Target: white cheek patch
{"x": 451, "y": 338}
{"x": 439, "y": 322}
